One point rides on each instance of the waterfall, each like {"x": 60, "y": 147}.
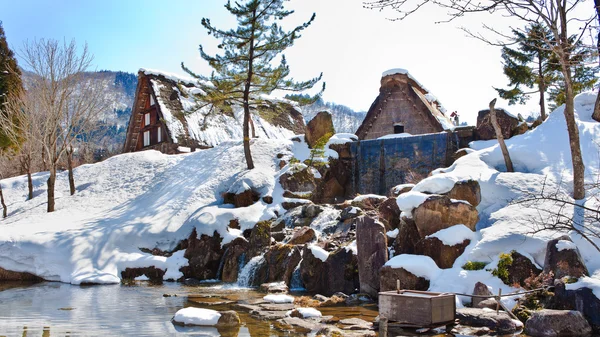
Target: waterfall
{"x": 221, "y": 263}
{"x": 296, "y": 281}
{"x": 246, "y": 275}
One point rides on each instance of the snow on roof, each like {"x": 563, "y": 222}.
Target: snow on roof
{"x": 394, "y": 72}
{"x": 170, "y": 76}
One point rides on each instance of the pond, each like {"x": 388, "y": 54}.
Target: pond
{"x": 57, "y": 309}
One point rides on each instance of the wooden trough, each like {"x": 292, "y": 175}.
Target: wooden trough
{"x": 422, "y": 309}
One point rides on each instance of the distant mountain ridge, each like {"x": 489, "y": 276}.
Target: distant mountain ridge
{"x": 345, "y": 120}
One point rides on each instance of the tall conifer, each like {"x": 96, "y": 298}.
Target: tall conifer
{"x": 245, "y": 70}
{"x": 10, "y": 80}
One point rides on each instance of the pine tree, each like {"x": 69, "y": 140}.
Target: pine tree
{"x": 528, "y": 66}
{"x": 244, "y": 72}
{"x": 10, "y": 81}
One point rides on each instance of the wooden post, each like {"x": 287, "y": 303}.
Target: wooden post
{"x": 498, "y": 301}
{"x": 398, "y": 286}
{"x": 383, "y": 326}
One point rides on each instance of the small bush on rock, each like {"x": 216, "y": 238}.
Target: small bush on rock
{"x": 502, "y": 270}
{"x": 474, "y": 265}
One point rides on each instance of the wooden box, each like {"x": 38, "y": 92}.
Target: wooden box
{"x": 417, "y": 308}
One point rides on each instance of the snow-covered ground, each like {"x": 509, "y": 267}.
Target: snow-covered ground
{"x": 131, "y": 201}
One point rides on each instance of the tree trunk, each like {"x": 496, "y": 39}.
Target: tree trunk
{"x": 596, "y": 114}
{"x": 542, "y": 88}
{"x": 576, "y": 157}
{"x": 29, "y": 186}
{"x": 51, "y": 182}
{"x": 4, "y": 209}
{"x": 252, "y": 128}
{"x": 70, "y": 167}
{"x": 500, "y": 137}
{"x": 26, "y": 167}
{"x": 44, "y": 166}
{"x": 247, "y": 154}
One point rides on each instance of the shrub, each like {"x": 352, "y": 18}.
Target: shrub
{"x": 502, "y": 270}
{"x": 474, "y": 265}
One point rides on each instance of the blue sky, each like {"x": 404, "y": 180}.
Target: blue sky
{"x": 352, "y": 46}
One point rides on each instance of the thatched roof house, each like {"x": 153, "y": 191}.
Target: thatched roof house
{"x": 403, "y": 106}
{"x": 168, "y": 116}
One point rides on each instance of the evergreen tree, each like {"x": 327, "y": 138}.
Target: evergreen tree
{"x": 244, "y": 72}
{"x": 528, "y": 65}
{"x": 10, "y": 81}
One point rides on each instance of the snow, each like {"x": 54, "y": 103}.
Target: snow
{"x": 418, "y": 265}
{"x": 396, "y": 135}
{"x": 411, "y": 200}
{"x": 396, "y": 189}
{"x": 436, "y": 184}
{"x": 352, "y": 247}
{"x": 279, "y": 298}
{"x": 307, "y": 312}
{"x": 319, "y": 252}
{"x": 131, "y": 201}
{"x": 197, "y": 316}
{"x": 394, "y": 71}
{"x": 586, "y": 282}
{"x": 342, "y": 138}
{"x": 393, "y": 234}
{"x": 453, "y": 235}
{"x": 565, "y": 244}
{"x": 171, "y": 76}
{"x": 364, "y": 197}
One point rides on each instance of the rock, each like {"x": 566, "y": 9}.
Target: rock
{"x": 354, "y": 324}
{"x": 234, "y": 224}
{"x": 320, "y": 128}
{"x": 480, "y": 289}
{"x": 299, "y": 181}
{"x": 311, "y": 211}
{"x": 389, "y": 214}
{"x": 400, "y": 189}
{"x": 259, "y": 239}
{"x": 228, "y": 318}
{"x": 278, "y": 236}
{"x": 268, "y": 199}
{"x": 303, "y": 235}
{"x": 389, "y": 275}
{"x": 296, "y": 313}
{"x": 332, "y": 190}
{"x": 489, "y": 303}
{"x": 564, "y": 259}
{"x": 502, "y": 323}
{"x": 583, "y": 300}
{"x": 439, "y": 212}
{"x": 277, "y": 306}
{"x": 320, "y": 298}
{"x": 557, "y": 323}
{"x": 350, "y": 212}
{"x": 9, "y": 276}
{"x": 337, "y": 273}
{"x": 152, "y": 273}
{"x": 280, "y": 262}
{"x": 485, "y": 130}
{"x": 521, "y": 269}
{"x": 242, "y": 199}
{"x": 443, "y": 255}
{"x": 278, "y": 225}
{"x": 407, "y": 237}
{"x": 520, "y": 129}
{"x": 368, "y": 202}
{"x": 462, "y": 152}
{"x": 274, "y": 288}
{"x": 307, "y": 325}
{"x": 467, "y": 190}
{"x": 372, "y": 253}
{"x": 204, "y": 256}
{"x": 231, "y": 259}
{"x": 288, "y": 205}
{"x": 333, "y": 301}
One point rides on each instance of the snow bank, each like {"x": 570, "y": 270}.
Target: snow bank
{"x": 418, "y": 265}
{"x": 197, "y": 316}
{"x": 586, "y": 282}
{"x": 279, "y": 298}
{"x": 131, "y": 201}
{"x": 454, "y": 235}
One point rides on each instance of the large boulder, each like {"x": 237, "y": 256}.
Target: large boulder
{"x": 480, "y": 290}
{"x": 467, "y": 190}
{"x": 321, "y": 126}
{"x": 232, "y": 258}
{"x": 389, "y": 214}
{"x": 241, "y": 199}
{"x": 389, "y": 276}
{"x": 372, "y": 253}
{"x": 152, "y": 273}
{"x": 563, "y": 323}
{"x": 440, "y": 212}
{"x": 502, "y": 323}
{"x": 443, "y": 255}
{"x": 521, "y": 269}
{"x": 10, "y": 276}
{"x": 563, "y": 259}
{"x": 485, "y": 130}
{"x": 583, "y": 300}
{"x": 368, "y": 202}
{"x": 313, "y": 272}
{"x": 280, "y": 262}
{"x": 407, "y": 238}
{"x": 204, "y": 256}
{"x": 228, "y": 318}
{"x": 338, "y": 273}
{"x": 298, "y": 182}
{"x": 259, "y": 239}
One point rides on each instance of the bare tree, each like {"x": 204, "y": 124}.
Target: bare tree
{"x": 500, "y": 137}
{"x": 596, "y": 114}
{"x": 70, "y": 103}
{"x": 556, "y": 15}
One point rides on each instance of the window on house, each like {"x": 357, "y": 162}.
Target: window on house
{"x": 152, "y": 100}
{"x": 146, "y": 119}
{"x": 159, "y": 134}
{"x": 146, "y": 138}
